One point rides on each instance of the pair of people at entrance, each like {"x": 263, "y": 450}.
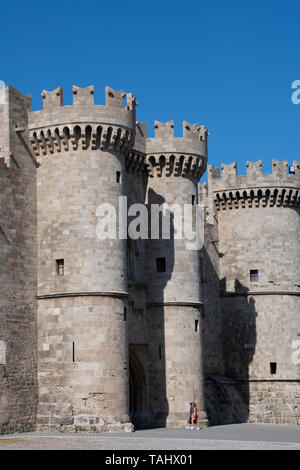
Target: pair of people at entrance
{"x": 193, "y": 418}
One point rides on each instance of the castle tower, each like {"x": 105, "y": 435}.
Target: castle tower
{"x": 82, "y": 279}
{"x": 259, "y": 254}
{"x": 175, "y": 307}
{"x": 18, "y": 266}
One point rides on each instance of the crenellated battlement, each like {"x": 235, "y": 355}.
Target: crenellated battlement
{"x": 230, "y": 190}
{"x": 83, "y": 96}
{"x": 193, "y": 140}
{"x": 254, "y": 169}
{"x": 164, "y": 130}
{"x": 83, "y": 125}
{"x": 53, "y": 100}
{"x": 168, "y": 155}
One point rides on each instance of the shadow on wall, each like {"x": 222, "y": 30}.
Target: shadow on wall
{"x": 229, "y": 344}
{"x": 228, "y": 397}
{"x": 158, "y": 275}
{"x": 138, "y": 402}
{"x": 213, "y": 361}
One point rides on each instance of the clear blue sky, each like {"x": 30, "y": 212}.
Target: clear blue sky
{"x": 226, "y": 64}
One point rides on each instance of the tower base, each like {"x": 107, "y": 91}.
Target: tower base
{"x": 82, "y": 423}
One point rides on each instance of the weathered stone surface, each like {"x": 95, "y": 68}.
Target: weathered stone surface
{"x": 18, "y": 267}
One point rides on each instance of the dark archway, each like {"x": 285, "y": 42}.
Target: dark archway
{"x": 137, "y": 392}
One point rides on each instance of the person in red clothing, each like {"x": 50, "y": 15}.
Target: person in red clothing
{"x": 190, "y": 416}
{"x": 195, "y": 416}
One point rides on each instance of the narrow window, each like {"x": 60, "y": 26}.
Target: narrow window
{"x": 193, "y": 199}
{"x": 273, "y": 368}
{"x": 159, "y": 352}
{"x": 196, "y": 325}
{"x": 118, "y": 176}
{"x": 125, "y": 313}
{"x": 60, "y": 267}
{"x": 161, "y": 265}
{"x": 253, "y": 275}
{"x": 73, "y": 351}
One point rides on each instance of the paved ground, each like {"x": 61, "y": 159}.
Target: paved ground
{"x": 236, "y": 436}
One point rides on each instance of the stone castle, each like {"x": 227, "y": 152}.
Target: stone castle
{"x": 100, "y": 335}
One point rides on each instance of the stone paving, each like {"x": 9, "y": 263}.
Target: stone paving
{"x": 229, "y": 437}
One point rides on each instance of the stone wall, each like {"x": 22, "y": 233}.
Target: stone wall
{"x": 18, "y": 267}
{"x": 83, "y": 369}
{"x": 268, "y": 402}
{"x": 274, "y": 402}
{"x": 212, "y": 324}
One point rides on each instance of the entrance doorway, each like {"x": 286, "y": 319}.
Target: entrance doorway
{"x": 137, "y": 392}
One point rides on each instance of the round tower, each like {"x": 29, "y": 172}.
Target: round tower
{"x": 82, "y": 278}
{"x": 259, "y": 254}
{"x": 175, "y": 306}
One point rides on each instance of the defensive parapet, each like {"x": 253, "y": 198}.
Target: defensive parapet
{"x": 178, "y": 156}
{"x": 84, "y": 125}
{"x": 281, "y": 188}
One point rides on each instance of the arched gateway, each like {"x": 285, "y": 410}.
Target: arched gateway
{"x": 138, "y": 410}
